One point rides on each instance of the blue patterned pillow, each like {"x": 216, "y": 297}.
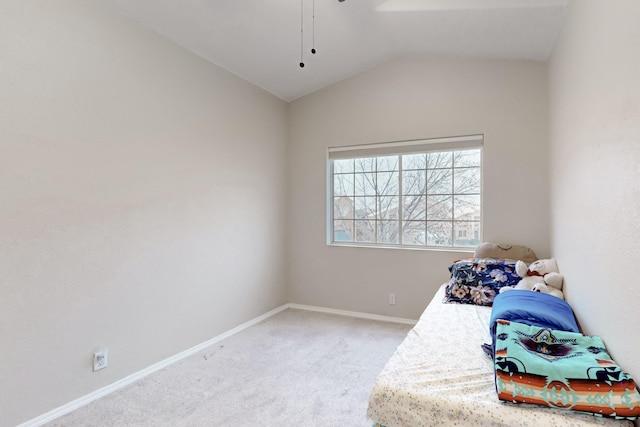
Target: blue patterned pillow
{"x": 478, "y": 280}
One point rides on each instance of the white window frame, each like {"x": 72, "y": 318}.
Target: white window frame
{"x": 399, "y": 148}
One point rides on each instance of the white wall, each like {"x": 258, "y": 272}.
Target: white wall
{"x": 142, "y": 201}
{"x": 505, "y": 100}
{"x": 594, "y": 82}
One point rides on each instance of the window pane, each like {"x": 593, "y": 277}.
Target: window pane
{"x": 343, "y": 166}
{"x": 365, "y": 208}
{"x": 365, "y": 231}
{"x": 414, "y": 161}
{"x": 466, "y": 158}
{"x": 342, "y": 208}
{"x": 467, "y": 233}
{"x": 367, "y": 164}
{"x": 440, "y": 160}
{"x": 365, "y": 184}
{"x": 388, "y": 232}
{"x": 414, "y": 182}
{"x": 467, "y": 180}
{"x": 413, "y": 233}
{"x": 414, "y": 207}
{"x": 388, "y": 207}
{"x": 439, "y": 208}
{"x": 440, "y": 181}
{"x": 389, "y": 163}
{"x": 388, "y": 183}
{"x": 343, "y": 231}
{"x": 343, "y": 185}
{"x": 467, "y": 208}
{"x": 439, "y": 233}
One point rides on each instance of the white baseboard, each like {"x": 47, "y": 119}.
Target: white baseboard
{"x": 101, "y": 392}
{"x": 353, "y": 314}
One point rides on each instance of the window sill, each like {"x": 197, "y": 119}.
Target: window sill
{"x": 469, "y": 250}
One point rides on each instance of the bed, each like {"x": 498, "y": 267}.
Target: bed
{"x": 439, "y": 375}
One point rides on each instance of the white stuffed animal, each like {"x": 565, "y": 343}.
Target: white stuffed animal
{"x": 541, "y": 276}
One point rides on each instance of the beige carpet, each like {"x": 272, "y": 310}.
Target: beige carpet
{"x": 297, "y": 368}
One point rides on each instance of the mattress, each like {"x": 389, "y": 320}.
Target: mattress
{"x": 439, "y": 375}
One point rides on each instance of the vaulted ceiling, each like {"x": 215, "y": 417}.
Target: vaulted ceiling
{"x": 261, "y": 40}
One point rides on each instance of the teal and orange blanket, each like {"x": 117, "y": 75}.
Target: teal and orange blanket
{"x": 561, "y": 369}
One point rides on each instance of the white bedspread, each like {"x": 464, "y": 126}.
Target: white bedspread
{"x": 439, "y": 376}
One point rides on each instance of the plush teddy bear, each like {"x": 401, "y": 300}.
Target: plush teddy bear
{"x": 540, "y": 276}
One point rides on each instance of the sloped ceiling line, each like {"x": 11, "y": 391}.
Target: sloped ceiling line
{"x": 259, "y": 40}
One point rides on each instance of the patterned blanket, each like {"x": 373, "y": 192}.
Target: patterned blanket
{"x": 561, "y": 369}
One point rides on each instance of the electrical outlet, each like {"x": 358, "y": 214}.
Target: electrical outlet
{"x": 392, "y": 299}
{"x": 100, "y": 359}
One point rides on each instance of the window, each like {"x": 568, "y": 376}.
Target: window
{"x": 424, "y": 193}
